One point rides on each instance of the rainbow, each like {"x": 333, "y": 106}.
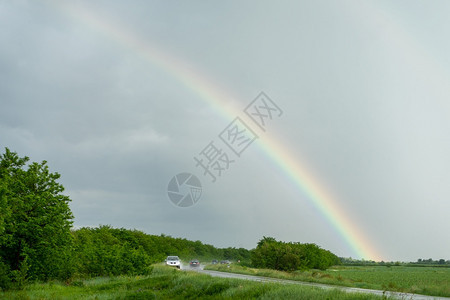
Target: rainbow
{"x": 223, "y": 103}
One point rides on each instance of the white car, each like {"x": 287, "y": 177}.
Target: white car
{"x": 173, "y": 261}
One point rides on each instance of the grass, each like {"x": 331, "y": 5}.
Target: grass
{"x": 419, "y": 280}
{"x": 168, "y": 283}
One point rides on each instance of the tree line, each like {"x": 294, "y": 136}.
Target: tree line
{"x": 106, "y": 251}
{"x": 430, "y": 261}
{"x": 419, "y": 263}
{"x": 38, "y": 242}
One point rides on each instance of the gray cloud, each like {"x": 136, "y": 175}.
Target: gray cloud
{"x": 363, "y": 88}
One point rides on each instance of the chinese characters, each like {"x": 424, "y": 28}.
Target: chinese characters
{"x": 236, "y": 137}
{"x": 221, "y": 153}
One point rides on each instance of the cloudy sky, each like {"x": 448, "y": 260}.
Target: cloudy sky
{"x": 121, "y": 96}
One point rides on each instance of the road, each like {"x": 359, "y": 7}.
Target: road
{"x": 396, "y": 295}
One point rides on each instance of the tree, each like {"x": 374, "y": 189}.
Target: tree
{"x": 278, "y": 255}
{"x": 4, "y": 212}
{"x": 266, "y": 254}
{"x": 35, "y": 220}
{"x": 106, "y": 251}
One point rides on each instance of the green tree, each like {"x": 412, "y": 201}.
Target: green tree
{"x": 35, "y": 220}
{"x": 266, "y": 253}
{"x": 4, "y": 212}
{"x": 106, "y": 251}
{"x": 278, "y": 255}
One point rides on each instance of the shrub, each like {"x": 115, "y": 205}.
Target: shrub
{"x": 282, "y": 256}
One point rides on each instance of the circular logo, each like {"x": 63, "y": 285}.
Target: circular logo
{"x": 184, "y": 189}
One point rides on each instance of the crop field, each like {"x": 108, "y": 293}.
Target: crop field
{"x": 168, "y": 283}
{"x": 433, "y": 281}
{"x": 421, "y": 280}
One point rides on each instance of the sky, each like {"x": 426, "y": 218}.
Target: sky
{"x": 119, "y": 97}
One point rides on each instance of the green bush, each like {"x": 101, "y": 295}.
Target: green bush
{"x": 273, "y": 254}
{"x": 5, "y": 280}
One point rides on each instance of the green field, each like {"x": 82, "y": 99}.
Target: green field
{"x": 433, "y": 281}
{"x": 168, "y": 283}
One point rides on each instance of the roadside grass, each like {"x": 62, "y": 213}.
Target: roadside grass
{"x": 167, "y": 283}
{"x": 419, "y": 280}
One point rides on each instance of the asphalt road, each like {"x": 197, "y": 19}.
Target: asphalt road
{"x": 396, "y": 295}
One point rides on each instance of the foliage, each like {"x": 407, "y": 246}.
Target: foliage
{"x": 420, "y": 263}
{"x": 167, "y": 283}
{"x": 434, "y": 281}
{"x": 100, "y": 253}
{"x": 430, "y": 261}
{"x": 5, "y": 280}
{"x": 35, "y": 221}
{"x": 282, "y": 256}
{"x": 106, "y": 251}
